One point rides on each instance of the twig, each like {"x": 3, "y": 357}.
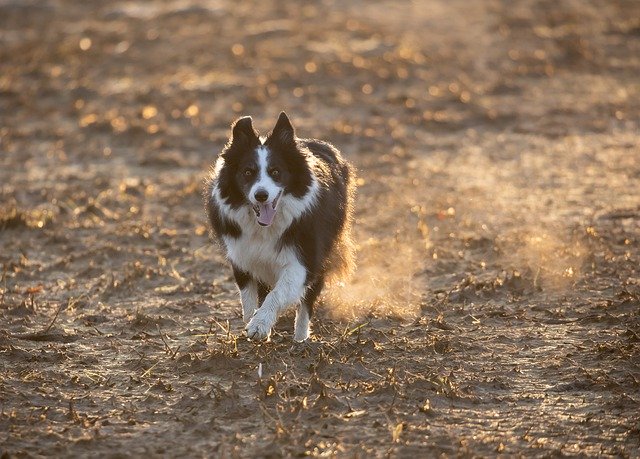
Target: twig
{"x": 5, "y": 268}
{"x": 46, "y": 330}
{"x": 173, "y": 356}
{"x": 150, "y": 368}
{"x": 166, "y": 345}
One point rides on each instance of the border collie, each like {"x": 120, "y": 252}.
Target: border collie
{"x": 281, "y": 207}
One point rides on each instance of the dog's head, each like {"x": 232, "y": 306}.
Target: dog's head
{"x": 261, "y": 173}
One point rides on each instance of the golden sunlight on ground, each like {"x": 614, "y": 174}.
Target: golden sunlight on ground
{"x": 495, "y": 307}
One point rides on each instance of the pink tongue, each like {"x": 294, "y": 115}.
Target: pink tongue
{"x": 267, "y": 212}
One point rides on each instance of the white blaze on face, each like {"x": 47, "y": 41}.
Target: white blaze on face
{"x": 265, "y": 208}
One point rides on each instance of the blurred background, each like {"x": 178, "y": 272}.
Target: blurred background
{"x": 497, "y": 148}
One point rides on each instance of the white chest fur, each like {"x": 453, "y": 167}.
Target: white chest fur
{"x": 257, "y": 252}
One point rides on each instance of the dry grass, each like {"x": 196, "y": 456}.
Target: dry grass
{"x": 494, "y": 310}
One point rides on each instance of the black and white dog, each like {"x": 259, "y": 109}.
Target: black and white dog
{"x": 281, "y": 208}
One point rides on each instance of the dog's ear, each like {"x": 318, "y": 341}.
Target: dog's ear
{"x": 283, "y": 131}
{"x": 243, "y": 132}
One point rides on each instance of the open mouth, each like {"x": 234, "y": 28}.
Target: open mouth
{"x": 265, "y": 212}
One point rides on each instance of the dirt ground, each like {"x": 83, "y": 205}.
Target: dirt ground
{"x": 496, "y": 306}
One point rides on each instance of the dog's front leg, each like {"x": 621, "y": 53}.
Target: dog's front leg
{"x": 249, "y": 300}
{"x": 289, "y": 290}
{"x": 248, "y": 293}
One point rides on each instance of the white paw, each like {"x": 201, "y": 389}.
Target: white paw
{"x": 259, "y": 327}
{"x": 301, "y": 335}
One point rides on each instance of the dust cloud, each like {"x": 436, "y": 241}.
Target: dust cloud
{"x": 496, "y": 146}
{"x": 551, "y": 257}
{"x": 383, "y": 284}
{"x": 478, "y": 225}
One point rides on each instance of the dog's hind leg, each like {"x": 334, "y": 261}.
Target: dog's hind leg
{"x": 248, "y": 293}
{"x": 305, "y": 310}
{"x": 263, "y": 291}
{"x": 301, "y": 329}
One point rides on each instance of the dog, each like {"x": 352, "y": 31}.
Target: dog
{"x": 281, "y": 209}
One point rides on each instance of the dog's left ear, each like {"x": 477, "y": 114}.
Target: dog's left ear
{"x": 283, "y": 131}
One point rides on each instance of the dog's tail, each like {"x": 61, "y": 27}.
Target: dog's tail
{"x": 342, "y": 261}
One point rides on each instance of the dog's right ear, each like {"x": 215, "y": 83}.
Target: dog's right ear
{"x": 243, "y": 132}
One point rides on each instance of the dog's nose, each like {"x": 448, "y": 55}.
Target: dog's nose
{"x": 261, "y": 195}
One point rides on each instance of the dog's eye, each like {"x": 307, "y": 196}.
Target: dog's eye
{"x": 248, "y": 172}
{"x": 275, "y": 173}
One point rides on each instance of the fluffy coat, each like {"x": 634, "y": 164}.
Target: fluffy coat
{"x": 281, "y": 209}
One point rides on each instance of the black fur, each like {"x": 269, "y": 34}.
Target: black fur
{"x": 315, "y": 233}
